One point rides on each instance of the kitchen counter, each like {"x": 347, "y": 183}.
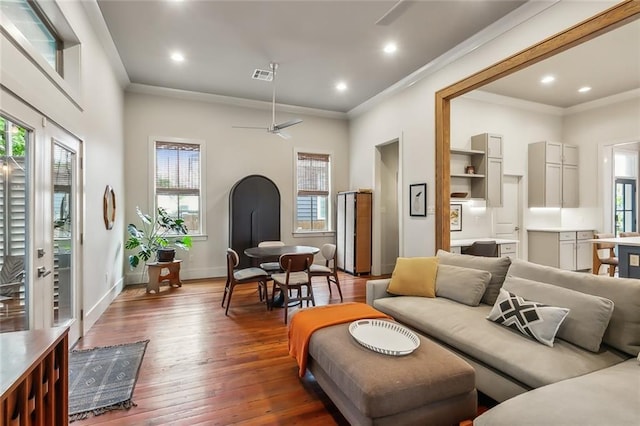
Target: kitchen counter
{"x": 506, "y": 247}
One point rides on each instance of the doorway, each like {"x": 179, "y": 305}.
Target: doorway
{"x": 387, "y": 208}
{"x": 41, "y": 221}
{"x": 507, "y": 219}
{"x": 625, "y": 205}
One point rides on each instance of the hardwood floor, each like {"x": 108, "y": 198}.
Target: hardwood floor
{"x": 201, "y": 367}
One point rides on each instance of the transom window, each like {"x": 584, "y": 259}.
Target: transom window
{"x": 313, "y": 190}
{"x": 178, "y": 183}
{"x": 32, "y": 23}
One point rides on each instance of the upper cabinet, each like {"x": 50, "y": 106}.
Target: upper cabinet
{"x": 478, "y": 171}
{"x": 553, "y": 175}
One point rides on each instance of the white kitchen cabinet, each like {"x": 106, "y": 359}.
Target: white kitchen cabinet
{"x": 569, "y": 250}
{"x": 553, "y": 175}
{"x": 485, "y": 156}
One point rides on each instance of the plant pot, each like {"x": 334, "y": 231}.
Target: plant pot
{"x": 166, "y": 255}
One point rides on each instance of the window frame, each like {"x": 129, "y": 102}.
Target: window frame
{"x": 329, "y": 231}
{"x": 203, "y": 167}
{"x": 66, "y": 75}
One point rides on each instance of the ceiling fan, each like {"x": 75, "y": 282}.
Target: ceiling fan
{"x": 273, "y": 128}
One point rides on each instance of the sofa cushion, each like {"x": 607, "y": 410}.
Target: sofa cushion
{"x": 465, "y": 329}
{"x": 497, "y": 266}
{"x": 414, "y": 276}
{"x": 536, "y": 320}
{"x": 464, "y": 285}
{"x": 608, "y": 396}
{"x": 623, "y": 332}
{"x": 588, "y": 315}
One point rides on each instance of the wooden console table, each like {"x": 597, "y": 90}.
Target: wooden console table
{"x": 34, "y": 377}
{"x": 156, "y": 276}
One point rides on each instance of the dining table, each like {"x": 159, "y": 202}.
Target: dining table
{"x": 277, "y": 251}
{"x": 268, "y": 252}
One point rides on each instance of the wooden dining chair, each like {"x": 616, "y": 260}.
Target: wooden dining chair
{"x": 271, "y": 266}
{"x": 328, "y": 270}
{"x": 482, "y": 248}
{"x": 296, "y": 276}
{"x": 242, "y": 276}
{"x": 629, "y": 234}
{"x": 609, "y": 259}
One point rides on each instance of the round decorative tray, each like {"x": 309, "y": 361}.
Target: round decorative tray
{"x": 385, "y": 337}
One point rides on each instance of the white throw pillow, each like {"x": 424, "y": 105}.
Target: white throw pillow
{"x": 533, "y": 319}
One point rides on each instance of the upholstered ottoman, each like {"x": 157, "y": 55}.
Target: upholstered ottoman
{"x": 430, "y": 386}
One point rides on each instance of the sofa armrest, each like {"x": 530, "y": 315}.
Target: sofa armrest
{"x": 377, "y": 289}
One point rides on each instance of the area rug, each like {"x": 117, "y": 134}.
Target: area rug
{"x": 102, "y": 379}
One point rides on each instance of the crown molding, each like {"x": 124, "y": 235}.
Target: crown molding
{"x": 602, "y": 102}
{"x": 493, "y": 31}
{"x": 228, "y": 100}
{"x": 96, "y": 19}
{"x": 479, "y": 95}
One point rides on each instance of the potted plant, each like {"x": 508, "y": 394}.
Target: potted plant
{"x": 156, "y": 238}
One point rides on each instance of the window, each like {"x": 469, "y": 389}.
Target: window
{"x": 312, "y": 192}
{"x": 35, "y": 27}
{"x": 13, "y": 188}
{"x": 178, "y": 184}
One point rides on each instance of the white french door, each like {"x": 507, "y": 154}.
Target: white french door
{"x": 41, "y": 222}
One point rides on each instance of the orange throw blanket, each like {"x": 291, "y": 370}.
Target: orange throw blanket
{"x": 305, "y": 322}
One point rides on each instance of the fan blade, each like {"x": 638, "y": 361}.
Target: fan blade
{"x": 394, "y": 13}
{"x": 283, "y": 135}
{"x": 287, "y": 124}
{"x": 249, "y": 127}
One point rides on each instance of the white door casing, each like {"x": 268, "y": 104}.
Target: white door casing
{"x": 507, "y": 219}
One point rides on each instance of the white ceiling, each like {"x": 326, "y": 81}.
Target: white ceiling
{"x": 609, "y": 64}
{"x": 316, "y": 42}
{"x": 321, "y": 42}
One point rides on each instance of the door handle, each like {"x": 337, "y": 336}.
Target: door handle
{"x": 517, "y": 228}
{"x": 42, "y": 272}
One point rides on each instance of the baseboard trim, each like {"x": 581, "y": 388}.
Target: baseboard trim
{"x": 136, "y": 277}
{"x": 92, "y": 315}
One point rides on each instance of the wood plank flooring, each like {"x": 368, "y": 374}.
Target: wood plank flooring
{"x": 202, "y": 367}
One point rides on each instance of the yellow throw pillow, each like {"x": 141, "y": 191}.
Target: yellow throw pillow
{"x": 414, "y": 276}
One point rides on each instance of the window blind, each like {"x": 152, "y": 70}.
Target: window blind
{"x": 313, "y": 174}
{"x": 177, "y": 169}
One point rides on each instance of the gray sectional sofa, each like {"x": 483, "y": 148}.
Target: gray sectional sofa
{"x": 589, "y": 376}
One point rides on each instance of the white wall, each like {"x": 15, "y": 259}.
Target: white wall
{"x": 98, "y": 122}
{"x": 520, "y": 123}
{"x": 411, "y": 114}
{"x": 592, "y": 127}
{"x": 231, "y": 155}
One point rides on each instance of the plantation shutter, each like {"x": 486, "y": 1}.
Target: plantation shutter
{"x": 13, "y": 188}
{"x": 177, "y": 169}
{"x": 313, "y": 174}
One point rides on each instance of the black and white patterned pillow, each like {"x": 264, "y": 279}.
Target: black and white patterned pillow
{"x": 532, "y": 319}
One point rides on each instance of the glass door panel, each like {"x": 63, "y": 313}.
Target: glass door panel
{"x": 63, "y": 169}
{"x": 14, "y": 215}
{"x": 625, "y": 205}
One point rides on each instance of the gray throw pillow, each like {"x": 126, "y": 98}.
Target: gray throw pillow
{"x": 533, "y": 319}
{"x": 588, "y": 317}
{"x": 497, "y": 266}
{"x": 464, "y": 285}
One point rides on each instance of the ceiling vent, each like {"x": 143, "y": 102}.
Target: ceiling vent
{"x": 264, "y": 75}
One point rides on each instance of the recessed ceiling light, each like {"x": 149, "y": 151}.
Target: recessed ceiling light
{"x": 584, "y": 89}
{"x": 390, "y": 48}
{"x": 342, "y": 86}
{"x": 177, "y": 56}
{"x": 547, "y": 79}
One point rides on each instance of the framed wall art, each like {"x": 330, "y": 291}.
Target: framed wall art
{"x": 418, "y": 199}
{"x": 455, "y": 216}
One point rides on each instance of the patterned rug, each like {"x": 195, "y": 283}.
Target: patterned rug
{"x": 102, "y": 379}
